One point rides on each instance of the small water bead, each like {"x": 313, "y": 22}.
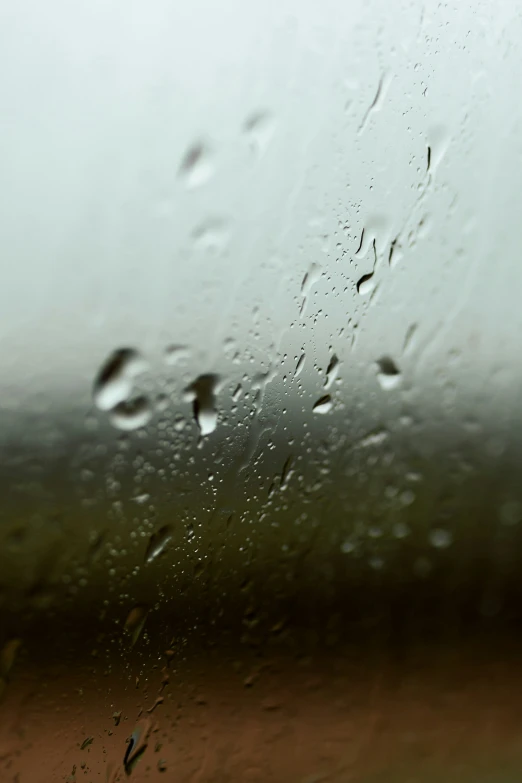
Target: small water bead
{"x": 407, "y": 497}
{"x": 440, "y": 538}
{"x": 401, "y": 530}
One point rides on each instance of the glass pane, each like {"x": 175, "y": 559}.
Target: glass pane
{"x": 260, "y": 421}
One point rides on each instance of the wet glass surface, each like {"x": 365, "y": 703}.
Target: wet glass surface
{"x": 260, "y": 421}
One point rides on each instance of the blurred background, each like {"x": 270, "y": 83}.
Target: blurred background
{"x": 260, "y": 422}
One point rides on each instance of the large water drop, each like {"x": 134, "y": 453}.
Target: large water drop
{"x": 158, "y": 543}
{"x": 131, "y": 414}
{"x": 203, "y": 395}
{"x": 388, "y": 375}
{"x": 113, "y": 384}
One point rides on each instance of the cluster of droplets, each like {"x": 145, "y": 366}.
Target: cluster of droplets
{"x": 114, "y": 390}
{"x": 114, "y": 387}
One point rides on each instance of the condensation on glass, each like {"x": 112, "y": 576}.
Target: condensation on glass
{"x": 260, "y": 398}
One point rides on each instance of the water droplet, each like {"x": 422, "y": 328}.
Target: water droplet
{"x": 376, "y": 562}
{"x": 287, "y": 472}
{"x": 408, "y": 338}
{"x": 212, "y": 236}
{"x": 389, "y": 375}
{"x": 114, "y": 381}
{"x": 407, "y": 497}
{"x": 332, "y": 371}
{"x": 401, "y": 530}
{"x": 310, "y": 278}
{"x": 141, "y": 499}
{"x": 203, "y": 395}
{"x": 438, "y": 141}
{"x": 131, "y": 414}
{"x": 440, "y": 538}
{"x": 348, "y": 546}
{"x": 135, "y": 622}
{"x": 380, "y": 94}
{"x": 366, "y": 284}
{"x": 396, "y": 253}
{"x": 196, "y": 167}
{"x": 376, "y": 233}
{"x": 158, "y": 543}
{"x": 159, "y": 700}
{"x": 175, "y": 354}
{"x": 137, "y": 744}
{"x": 299, "y": 366}
{"x": 374, "y": 439}
{"x": 259, "y": 129}
{"x": 323, "y": 404}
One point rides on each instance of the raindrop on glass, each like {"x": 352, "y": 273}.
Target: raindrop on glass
{"x": 203, "y": 395}
{"x": 366, "y": 284}
{"x": 175, "y": 353}
{"x": 131, "y": 414}
{"x": 376, "y": 562}
{"x": 136, "y": 744}
{"x": 401, "y": 530}
{"x": 114, "y": 381}
{"x": 332, "y": 371}
{"x": 299, "y": 366}
{"x": 323, "y": 404}
{"x": 388, "y": 375}
{"x": 310, "y": 278}
{"x": 259, "y": 129}
{"x": 135, "y": 622}
{"x": 440, "y": 538}
{"x": 158, "y": 543}
{"x": 212, "y": 236}
{"x": 196, "y": 167}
